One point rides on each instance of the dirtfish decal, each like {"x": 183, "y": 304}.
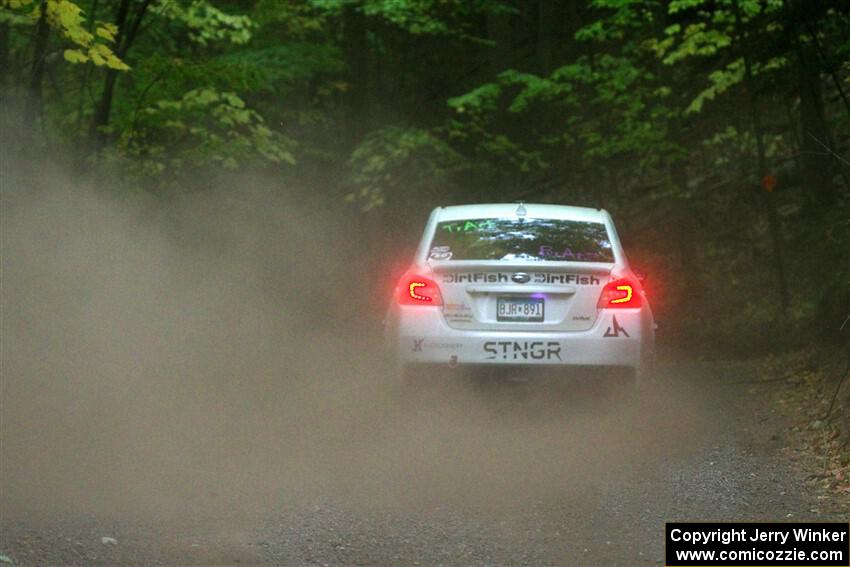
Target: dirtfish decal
{"x": 501, "y": 277}
{"x": 477, "y": 277}
{"x": 566, "y": 279}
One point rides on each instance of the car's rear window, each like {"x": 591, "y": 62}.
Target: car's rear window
{"x": 553, "y": 240}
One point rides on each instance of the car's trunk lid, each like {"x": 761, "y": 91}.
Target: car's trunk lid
{"x": 532, "y": 296}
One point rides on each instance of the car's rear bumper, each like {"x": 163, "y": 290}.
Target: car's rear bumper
{"x": 420, "y": 336}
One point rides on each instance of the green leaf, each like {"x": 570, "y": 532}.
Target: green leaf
{"x": 721, "y": 81}
{"x": 75, "y": 56}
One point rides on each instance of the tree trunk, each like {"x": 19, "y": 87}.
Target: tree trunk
{"x": 104, "y": 106}
{"x": 814, "y": 136}
{"x": 499, "y": 32}
{"x": 103, "y": 111}
{"x": 573, "y": 25}
{"x": 87, "y": 71}
{"x": 5, "y": 69}
{"x": 545, "y": 35}
{"x": 356, "y": 53}
{"x": 42, "y": 35}
{"x": 498, "y": 26}
{"x": 830, "y": 69}
{"x": 127, "y": 31}
{"x": 762, "y": 171}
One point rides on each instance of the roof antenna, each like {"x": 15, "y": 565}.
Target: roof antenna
{"x": 520, "y": 210}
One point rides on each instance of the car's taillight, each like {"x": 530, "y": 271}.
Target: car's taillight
{"x": 624, "y": 292}
{"x": 418, "y": 290}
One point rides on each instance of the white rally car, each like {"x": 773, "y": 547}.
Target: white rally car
{"x": 520, "y": 285}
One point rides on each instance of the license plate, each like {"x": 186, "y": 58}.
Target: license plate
{"x": 528, "y": 309}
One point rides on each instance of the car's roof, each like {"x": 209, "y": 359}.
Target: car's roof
{"x": 533, "y": 210}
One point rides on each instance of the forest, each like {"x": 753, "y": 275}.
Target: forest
{"x": 717, "y": 132}
{"x": 205, "y": 205}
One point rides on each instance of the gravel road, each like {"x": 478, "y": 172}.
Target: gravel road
{"x": 513, "y": 474}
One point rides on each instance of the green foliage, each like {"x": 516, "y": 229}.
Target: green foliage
{"x": 14, "y": 4}
{"x": 416, "y": 17}
{"x": 608, "y": 106}
{"x": 622, "y": 18}
{"x": 174, "y": 138}
{"x": 641, "y": 106}
{"x": 713, "y": 34}
{"x": 65, "y": 18}
{"x": 206, "y": 23}
{"x": 697, "y": 40}
{"x": 297, "y": 20}
{"x": 721, "y": 81}
{"x": 395, "y": 161}
{"x": 288, "y": 64}
{"x": 533, "y": 89}
{"x": 480, "y": 99}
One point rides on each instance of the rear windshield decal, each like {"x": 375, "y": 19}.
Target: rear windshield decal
{"x": 440, "y": 253}
{"x": 552, "y": 240}
{"x": 468, "y": 225}
{"x": 567, "y": 255}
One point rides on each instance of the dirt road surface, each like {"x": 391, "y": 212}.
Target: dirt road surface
{"x": 509, "y": 475}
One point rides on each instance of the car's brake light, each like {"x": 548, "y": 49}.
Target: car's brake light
{"x": 418, "y": 290}
{"x": 624, "y": 292}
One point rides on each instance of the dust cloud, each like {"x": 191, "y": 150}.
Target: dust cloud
{"x": 209, "y": 353}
